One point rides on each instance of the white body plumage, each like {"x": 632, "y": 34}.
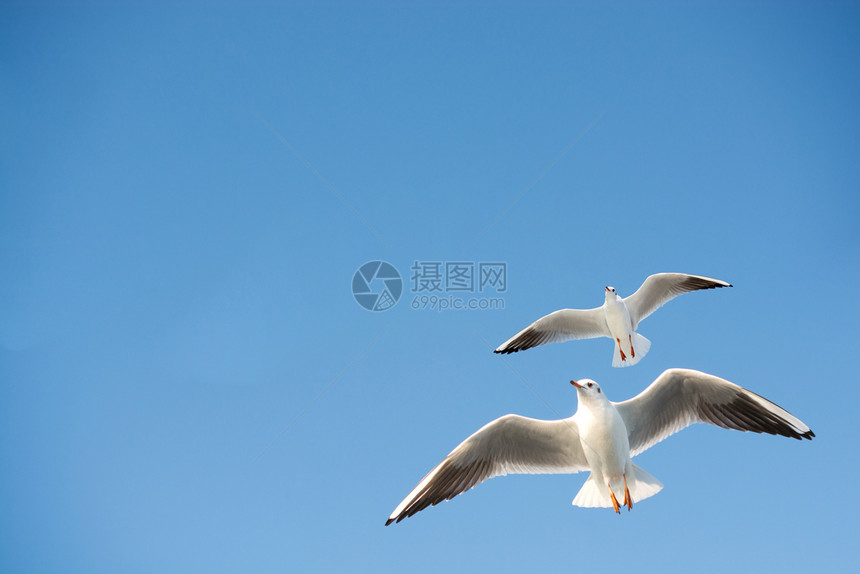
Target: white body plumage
{"x": 606, "y": 446}
{"x": 602, "y": 432}
{"x": 630, "y": 346}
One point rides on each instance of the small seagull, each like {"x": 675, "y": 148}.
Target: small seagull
{"x": 617, "y": 318}
{"x": 601, "y": 437}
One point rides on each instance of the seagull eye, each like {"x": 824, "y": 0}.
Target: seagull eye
{"x": 590, "y": 385}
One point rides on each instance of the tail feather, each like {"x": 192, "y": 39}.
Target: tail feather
{"x": 641, "y": 346}
{"x": 644, "y": 485}
{"x": 595, "y": 494}
{"x": 616, "y": 358}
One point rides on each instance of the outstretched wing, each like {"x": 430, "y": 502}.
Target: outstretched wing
{"x": 659, "y": 289}
{"x": 559, "y": 326}
{"x": 509, "y": 445}
{"x": 681, "y": 397}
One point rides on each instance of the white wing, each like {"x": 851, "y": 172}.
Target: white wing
{"x": 559, "y": 326}
{"x": 659, "y": 289}
{"x": 509, "y": 445}
{"x": 681, "y": 397}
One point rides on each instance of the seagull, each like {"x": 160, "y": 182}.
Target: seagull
{"x": 601, "y": 437}
{"x": 617, "y": 318}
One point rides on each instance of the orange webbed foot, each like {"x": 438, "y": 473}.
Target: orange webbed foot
{"x": 628, "y": 500}
{"x": 620, "y": 350}
{"x": 614, "y": 501}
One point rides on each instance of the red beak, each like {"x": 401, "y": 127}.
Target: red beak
{"x": 575, "y": 384}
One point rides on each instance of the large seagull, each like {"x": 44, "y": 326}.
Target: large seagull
{"x": 618, "y": 318}
{"x": 602, "y": 437}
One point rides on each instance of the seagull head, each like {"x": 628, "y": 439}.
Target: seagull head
{"x": 610, "y": 291}
{"x": 587, "y": 388}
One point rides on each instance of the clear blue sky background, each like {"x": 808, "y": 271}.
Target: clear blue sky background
{"x": 187, "y": 385}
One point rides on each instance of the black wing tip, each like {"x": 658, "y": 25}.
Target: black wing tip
{"x": 798, "y": 435}
{"x": 399, "y": 517}
{"x": 527, "y": 340}
{"x": 744, "y": 414}
{"x": 701, "y": 283}
{"x": 506, "y": 351}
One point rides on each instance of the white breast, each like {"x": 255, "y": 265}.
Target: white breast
{"x": 604, "y": 439}
{"x": 618, "y": 319}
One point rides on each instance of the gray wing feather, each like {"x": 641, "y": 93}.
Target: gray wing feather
{"x": 659, "y": 289}
{"x": 562, "y": 325}
{"x": 681, "y": 397}
{"x": 509, "y": 445}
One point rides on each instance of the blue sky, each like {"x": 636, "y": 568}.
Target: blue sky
{"x": 186, "y": 190}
